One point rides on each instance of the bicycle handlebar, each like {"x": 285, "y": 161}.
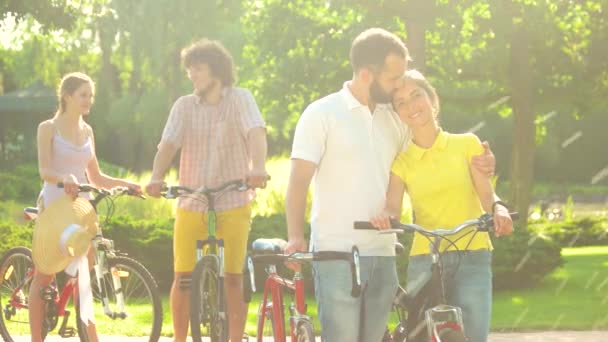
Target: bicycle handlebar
{"x": 351, "y": 257}
{"x": 485, "y": 223}
{"x": 121, "y": 190}
{"x": 174, "y": 191}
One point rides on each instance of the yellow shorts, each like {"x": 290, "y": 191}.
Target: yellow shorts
{"x": 232, "y": 226}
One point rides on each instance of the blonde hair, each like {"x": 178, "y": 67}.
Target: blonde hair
{"x": 68, "y": 85}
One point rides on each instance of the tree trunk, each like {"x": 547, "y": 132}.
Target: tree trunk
{"x": 524, "y": 130}
{"x": 418, "y": 15}
{"x": 416, "y": 44}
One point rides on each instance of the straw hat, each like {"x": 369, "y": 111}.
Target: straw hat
{"x": 63, "y": 232}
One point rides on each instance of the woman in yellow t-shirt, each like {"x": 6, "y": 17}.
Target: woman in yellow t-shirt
{"x": 445, "y": 191}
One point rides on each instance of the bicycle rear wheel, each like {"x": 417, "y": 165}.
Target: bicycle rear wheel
{"x": 133, "y": 302}
{"x": 208, "y": 314}
{"x": 16, "y": 267}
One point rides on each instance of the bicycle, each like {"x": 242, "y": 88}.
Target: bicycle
{"x": 208, "y": 310}
{"x": 124, "y": 291}
{"x": 270, "y": 253}
{"x": 442, "y": 322}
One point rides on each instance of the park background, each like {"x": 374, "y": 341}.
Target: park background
{"x": 529, "y": 76}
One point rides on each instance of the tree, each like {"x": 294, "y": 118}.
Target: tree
{"x": 49, "y": 14}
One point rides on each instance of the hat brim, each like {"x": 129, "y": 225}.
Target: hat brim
{"x": 47, "y": 253}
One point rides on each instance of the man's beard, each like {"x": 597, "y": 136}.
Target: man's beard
{"x": 378, "y": 95}
{"x": 202, "y": 93}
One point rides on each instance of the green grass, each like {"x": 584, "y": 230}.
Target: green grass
{"x": 573, "y": 297}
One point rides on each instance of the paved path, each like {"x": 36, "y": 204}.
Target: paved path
{"x": 552, "y": 336}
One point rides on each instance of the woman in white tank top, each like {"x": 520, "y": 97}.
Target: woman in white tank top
{"x": 66, "y": 153}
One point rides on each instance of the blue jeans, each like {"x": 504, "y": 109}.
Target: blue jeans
{"x": 347, "y": 319}
{"x": 468, "y": 285}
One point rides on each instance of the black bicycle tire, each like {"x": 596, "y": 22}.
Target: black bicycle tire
{"x": 304, "y": 330}
{"x": 8, "y": 254}
{"x": 150, "y": 283}
{"x": 207, "y": 267}
{"x": 400, "y": 332}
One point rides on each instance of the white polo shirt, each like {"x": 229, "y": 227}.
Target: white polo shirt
{"x": 353, "y": 151}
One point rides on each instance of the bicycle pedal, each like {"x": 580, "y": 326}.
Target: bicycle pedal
{"x": 48, "y": 293}
{"x": 67, "y": 332}
{"x": 64, "y": 330}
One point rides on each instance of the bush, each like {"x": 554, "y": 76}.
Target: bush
{"x": 151, "y": 242}
{"x": 585, "y": 231}
{"x": 21, "y": 184}
{"x": 148, "y": 241}
{"x": 523, "y": 259}
{"x": 14, "y": 235}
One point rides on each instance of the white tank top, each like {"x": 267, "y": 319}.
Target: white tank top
{"x": 67, "y": 158}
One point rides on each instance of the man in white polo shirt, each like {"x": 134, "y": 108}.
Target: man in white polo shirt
{"x": 348, "y": 141}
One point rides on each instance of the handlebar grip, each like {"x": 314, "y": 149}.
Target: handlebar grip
{"x": 514, "y": 216}
{"x": 364, "y": 225}
{"x": 60, "y": 185}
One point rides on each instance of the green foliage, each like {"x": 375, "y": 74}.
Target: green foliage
{"x": 50, "y": 14}
{"x": 14, "y": 235}
{"x": 150, "y": 241}
{"x": 585, "y": 231}
{"x": 20, "y": 183}
{"x": 523, "y": 260}
{"x": 147, "y": 241}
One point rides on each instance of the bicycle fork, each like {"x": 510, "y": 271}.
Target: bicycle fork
{"x": 101, "y": 268}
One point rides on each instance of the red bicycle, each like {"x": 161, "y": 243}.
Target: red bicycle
{"x": 124, "y": 292}
{"x": 269, "y": 252}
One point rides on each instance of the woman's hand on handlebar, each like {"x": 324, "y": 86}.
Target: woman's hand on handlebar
{"x": 70, "y": 186}
{"x": 134, "y": 188}
{"x": 382, "y": 221}
{"x": 154, "y": 188}
{"x": 503, "y": 224}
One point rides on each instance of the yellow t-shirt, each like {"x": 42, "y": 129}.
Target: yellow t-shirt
{"x": 441, "y": 189}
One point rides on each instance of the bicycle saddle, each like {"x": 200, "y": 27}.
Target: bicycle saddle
{"x": 268, "y": 246}
{"x": 30, "y": 213}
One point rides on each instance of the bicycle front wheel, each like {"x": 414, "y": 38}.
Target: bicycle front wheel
{"x": 208, "y": 314}
{"x": 132, "y": 302}
{"x": 304, "y": 332}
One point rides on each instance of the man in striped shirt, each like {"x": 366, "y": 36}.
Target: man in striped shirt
{"x": 222, "y": 137}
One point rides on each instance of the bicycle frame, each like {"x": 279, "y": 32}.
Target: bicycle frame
{"x": 272, "y": 306}
{"x": 448, "y": 316}
{"x": 102, "y": 247}
{"x": 275, "y": 309}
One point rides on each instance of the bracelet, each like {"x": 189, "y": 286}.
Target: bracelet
{"x": 501, "y": 203}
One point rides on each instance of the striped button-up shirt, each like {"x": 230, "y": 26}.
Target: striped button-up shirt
{"x": 213, "y": 141}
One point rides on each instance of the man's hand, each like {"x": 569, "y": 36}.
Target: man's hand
{"x": 257, "y": 178}
{"x": 382, "y": 221}
{"x": 154, "y": 187}
{"x": 295, "y": 246}
{"x": 503, "y": 224}
{"x": 485, "y": 162}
